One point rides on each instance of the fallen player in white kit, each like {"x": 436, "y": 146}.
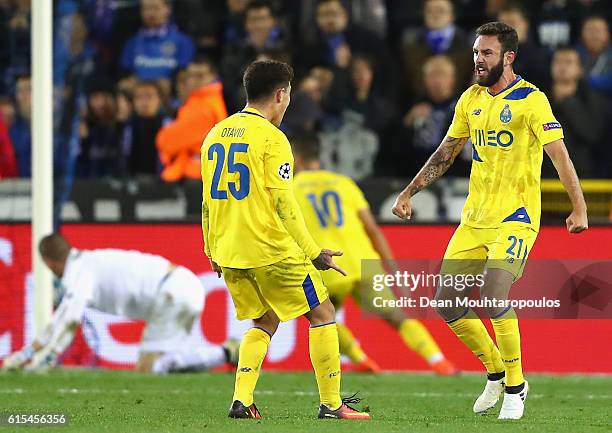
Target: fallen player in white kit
{"x": 131, "y": 284}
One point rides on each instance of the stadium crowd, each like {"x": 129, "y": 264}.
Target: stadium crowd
{"x": 138, "y": 84}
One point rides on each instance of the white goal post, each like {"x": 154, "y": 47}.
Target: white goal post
{"x": 42, "y": 154}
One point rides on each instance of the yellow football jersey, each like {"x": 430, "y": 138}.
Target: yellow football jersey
{"x": 508, "y": 132}
{"x": 243, "y": 156}
{"x": 330, "y": 203}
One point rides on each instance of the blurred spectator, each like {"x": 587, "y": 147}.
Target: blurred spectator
{"x": 180, "y": 91}
{"x": 15, "y": 43}
{"x": 73, "y": 53}
{"x": 424, "y": 126}
{"x": 179, "y": 142}
{"x": 581, "y": 111}
{"x": 596, "y": 53}
{"x": 438, "y": 36}
{"x": 337, "y": 40}
{"x": 100, "y": 19}
{"x": 202, "y": 21}
{"x": 100, "y": 133}
{"x": 368, "y": 14}
{"x": 138, "y": 152}
{"x": 350, "y": 144}
{"x": 8, "y": 164}
{"x": 304, "y": 113}
{"x": 532, "y": 61}
{"x": 20, "y": 132}
{"x": 7, "y": 111}
{"x": 365, "y": 98}
{"x": 159, "y": 49}
{"x": 124, "y": 104}
{"x": 233, "y": 26}
{"x": 74, "y": 62}
{"x": 263, "y": 34}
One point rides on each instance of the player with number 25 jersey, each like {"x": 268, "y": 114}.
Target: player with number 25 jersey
{"x": 255, "y": 234}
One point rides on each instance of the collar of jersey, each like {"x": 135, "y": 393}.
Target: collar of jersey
{"x": 508, "y": 87}
{"x": 252, "y": 111}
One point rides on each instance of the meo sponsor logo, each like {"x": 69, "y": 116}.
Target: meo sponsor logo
{"x": 491, "y": 137}
{"x": 551, "y": 125}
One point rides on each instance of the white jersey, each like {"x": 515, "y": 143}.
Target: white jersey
{"x": 121, "y": 282}
{"x": 130, "y": 284}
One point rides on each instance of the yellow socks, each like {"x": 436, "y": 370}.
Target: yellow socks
{"x": 418, "y": 338}
{"x": 325, "y": 358}
{"x": 253, "y": 349}
{"x": 349, "y": 345}
{"x": 508, "y": 339}
{"x": 474, "y": 335}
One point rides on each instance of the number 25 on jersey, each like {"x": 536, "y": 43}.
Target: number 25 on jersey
{"x": 232, "y": 167}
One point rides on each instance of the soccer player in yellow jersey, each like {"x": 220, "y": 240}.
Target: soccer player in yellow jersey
{"x": 254, "y": 234}
{"x": 338, "y": 215}
{"x": 510, "y": 124}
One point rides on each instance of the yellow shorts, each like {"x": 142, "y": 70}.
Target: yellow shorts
{"x": 290, "y": 288}
{"x": 471, "y": 250}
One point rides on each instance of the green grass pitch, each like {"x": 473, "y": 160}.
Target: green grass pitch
{"x": 107, "y": 401}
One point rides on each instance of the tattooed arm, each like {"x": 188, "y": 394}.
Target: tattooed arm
{"x": 437, "y": 164}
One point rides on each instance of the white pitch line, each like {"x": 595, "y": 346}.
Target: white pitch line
{"x": 297, "y": 393}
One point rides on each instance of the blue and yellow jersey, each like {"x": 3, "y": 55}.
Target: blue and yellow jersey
{"x": 508, "y": 132}
{"x": 330, "y": 203}
{"x": 242, "y": 157}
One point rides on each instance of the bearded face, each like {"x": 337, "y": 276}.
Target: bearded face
{"x": 488, "y": 76}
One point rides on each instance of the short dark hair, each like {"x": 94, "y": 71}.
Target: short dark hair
{"x": 263, "y": 77}
{"x": 565, "y": 47}
{"x": 306, "y": 144}
{"x": 23, "y": 77}
{"x": 593, "y": 17}
{"x": 259, "y": 4}
{"x": 148, "y": 83}
{"x": 201, "y": 59}
{"x": 506, "y": 35}
{"x": 568, "y": 48}
{"x": 54, "y": 247}
{"x": 342, "y": 3}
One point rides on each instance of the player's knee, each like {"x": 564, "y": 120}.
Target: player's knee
{"x": 322, "y": 314}
{"x": 394, "y": 317}
{"x": 448, "y": 313}
{"x": 494, "y": 312}
{"x": 268, "y": 322}
{"x": 446, "y": 305}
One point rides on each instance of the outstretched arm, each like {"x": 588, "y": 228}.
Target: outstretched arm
{"x": 54, "y": 339}
{"x": 557, "y": 152}
{"x": 437, "y": 164}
